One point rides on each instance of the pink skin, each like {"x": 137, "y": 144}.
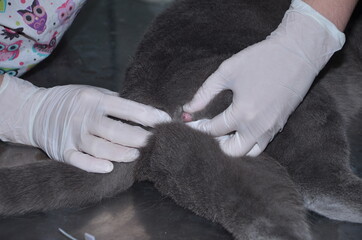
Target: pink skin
{"x": 186, "y": 117}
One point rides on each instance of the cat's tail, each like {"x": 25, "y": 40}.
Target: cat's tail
{"x": 339, "y": 199}
{"x": 253, "y": 198}
{"x": 49, "y": 185}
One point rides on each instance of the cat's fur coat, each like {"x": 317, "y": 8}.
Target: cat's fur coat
{"x": 307, "y": 165}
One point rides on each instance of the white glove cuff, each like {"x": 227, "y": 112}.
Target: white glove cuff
{"x": 303, "y": 8}
{"x": 15, "y": 124}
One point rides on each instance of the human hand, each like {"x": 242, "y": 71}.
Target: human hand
{"x": 71, "y": 124}
{"x": 268, "y": 80}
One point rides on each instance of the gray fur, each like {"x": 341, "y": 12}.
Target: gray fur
{"x": 307, "y": 165}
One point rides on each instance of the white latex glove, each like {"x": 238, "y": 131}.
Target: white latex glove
{"x": 269, "y": 80}
{"x": 70, "y": 123}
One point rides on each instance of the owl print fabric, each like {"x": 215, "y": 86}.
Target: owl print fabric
{"x": 31, "y": 29}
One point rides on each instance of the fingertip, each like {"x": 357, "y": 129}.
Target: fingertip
{"x": 156, "y": 116}
{"x": 88, "y": 163}
{"x": 133, "y": 155}
{"x": 101, "y": 166}
{"x": 163, "y": 116}
{"x": 260, "y": 145}
{"x": 108, "y": 167}
{"x": 215, "y": 127}
{"x": 195, "y": 105}
{"x": 200, "y": 125}
{"x": 255, "y": 151}
{"x": 142, "y": 140}
{"x": 212, "y": 86}
{"x": 128, "y": 156}
{"x": 199, "y": 101}
{"x": 188, "y": 108}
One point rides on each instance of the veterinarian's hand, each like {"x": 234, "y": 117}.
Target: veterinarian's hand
{"x": 71, "y": 124}
{"x": 269, "y": 80}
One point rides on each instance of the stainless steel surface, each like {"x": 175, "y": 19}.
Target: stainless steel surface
{"x": 96, "y": 51}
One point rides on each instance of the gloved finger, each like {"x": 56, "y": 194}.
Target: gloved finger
{"x": 100, "y": 148}
{"x": 235, "y": 144}
{"x": 120, "y": 133}
{"x": 255, "y": 151}
{"x": 88, "y": 163}
{"x": 220, "y": 125}
{"x": 260, "y": 146}
{"x": 211, "y": 87}
{"x": 133, "y": 111}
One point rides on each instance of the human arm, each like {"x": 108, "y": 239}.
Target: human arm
{"x": 269, "y": 79}
{"x": 336, "y": 11}
{"x": 72, "y": 123}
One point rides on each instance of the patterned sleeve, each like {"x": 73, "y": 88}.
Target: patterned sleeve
{"x": 31, "y": 29}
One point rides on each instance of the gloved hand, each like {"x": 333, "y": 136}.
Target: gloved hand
{"x": 269, "y": 80}
{"x": 70, "y": 123}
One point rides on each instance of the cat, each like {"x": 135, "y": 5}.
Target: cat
{"x": 305, "y": 167}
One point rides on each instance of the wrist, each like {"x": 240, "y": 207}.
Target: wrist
{"x": 306, "y": 9}
{"x": 337, "y": 11}
{"x": 308, "y": 35}
{"x": 15, "y": 98}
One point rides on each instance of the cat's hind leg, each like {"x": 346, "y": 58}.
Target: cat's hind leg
{"x": 251, "y": 198}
